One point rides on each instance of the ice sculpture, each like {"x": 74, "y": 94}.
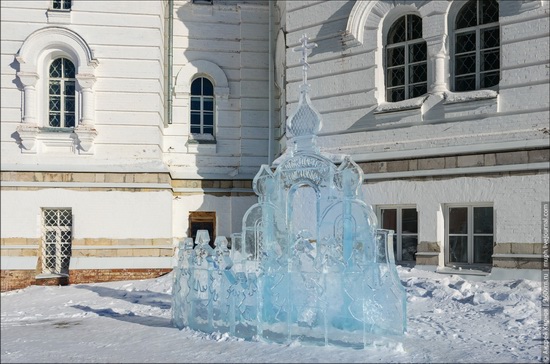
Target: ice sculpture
{"x": 309, "y": 264}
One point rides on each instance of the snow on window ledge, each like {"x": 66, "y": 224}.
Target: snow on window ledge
{"x": 202, "y": 139}
{"x": 201, "y": 143}
{"x": 59, "y": 16}
{"x": 457, "y": 97}
{"x": 410, "y": 104}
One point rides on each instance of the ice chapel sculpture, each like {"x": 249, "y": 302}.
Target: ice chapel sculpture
{"x": 309, "y": 264}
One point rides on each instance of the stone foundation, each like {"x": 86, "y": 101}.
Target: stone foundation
{"x": 18, "y": 279}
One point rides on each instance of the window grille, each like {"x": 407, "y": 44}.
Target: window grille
{"x": 62, "y": 93}
{"x": 477, "y": 46}
{"x": 56, "y": 240}
{"x": 202, "y": 106}
{"x": 470, "y": 234}
{"x": 61, "y": 4}
{"x": 406, "y": 60}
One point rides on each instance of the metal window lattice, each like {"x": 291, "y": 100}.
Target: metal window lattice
{"x": 57, "y": 238}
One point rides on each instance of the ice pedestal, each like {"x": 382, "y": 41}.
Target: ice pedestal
{"x": 309, "y": 265}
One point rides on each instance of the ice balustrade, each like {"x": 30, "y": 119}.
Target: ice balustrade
{"x": 309, "y": 265}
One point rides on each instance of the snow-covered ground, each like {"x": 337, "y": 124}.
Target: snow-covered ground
{"x": 449, "y": 320}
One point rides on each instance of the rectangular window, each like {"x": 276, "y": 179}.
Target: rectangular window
{"x": 203, "y": 2}
{"x": 469, "y": 234}
{"x": 56, "y": 240}
{"x": 61, "y": 4}
{"x": 403, "y": 220}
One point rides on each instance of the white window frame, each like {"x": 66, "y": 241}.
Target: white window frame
{"x": 65, "y": 5}
{"x": 469, "y": 234}
{"x": 406, "y": 44}
{"x": 398, "y": 234}
{"x": 62, "y": 112}
{"x": 477, "y": 28}
{"x": 202, "y": 111}
{"x": 62, "y": 251}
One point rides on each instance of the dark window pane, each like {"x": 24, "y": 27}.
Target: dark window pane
{"x": 409, "y": 221}
{"x": 207, "y": 88}
{"x": 483, "y": 220}
{"x": 396, "y": 76}
{"x": 66, "y": 4}
{"x": 418, "y": 90}
{"x": 490, "y": 38}
{"x": 414, "y": 27}
{"x": 66, "y": 236}
{"x": 489, "y": 11}
{"x": 417, "y": 52}
{"x": 55, "y": 88}
{"x": 208, "y": 119}
{"x": 465, "y": 42}
{"x": 465, "y": 64}
{"x": 196, "y": 87}
{"x": 68, "y": 68}
{"x": 466, "y": 83}
{"x": 55, "y": 103}
{"x": 55, "y": 68}
{"x": 69, "y": 104}
{"x": 208, "y": 104}
{"x": 56, "y": 4}
{"x": 467, "y": 16}
{"x": 208, "y": 130}
{"x": 389, "y": 219}
{"x": 50, "y": 236}
{"x": 69, "y": 120}
{"x": 490, "y": 79}
{"x": 483, "y": 249}
{"x": 458, "y": 220}
{"x": 397, "y": 31}
{"x": 69, "y": 88}
{"x": 54, "y": 120}
{"x": 195, "y": 103}
{"x": 396, "y": 56}
{"x": 396, "y": 94}
{"x": 50, "y": 248}
{"x": 458, "y": 249}
{"x": 195, "y": 118}
{"x": 408, "y": 247}
{"x": 195, "y": 129}
{"x": 490, "y": 60}
{"x": 418, "y": 73}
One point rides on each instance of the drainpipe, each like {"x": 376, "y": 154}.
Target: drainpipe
{"x": 170, "y": 61}
{"x": 270, "y": 86}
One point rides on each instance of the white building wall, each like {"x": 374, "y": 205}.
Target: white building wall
{"x": 126, "y": 38}
{"x": 233, "y": 36}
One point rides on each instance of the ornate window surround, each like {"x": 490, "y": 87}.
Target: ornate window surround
{"x": 182, "y": 94}
{"x": 37, "y": 51}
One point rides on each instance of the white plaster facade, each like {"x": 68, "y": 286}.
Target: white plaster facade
{"x": 131, "y": 169}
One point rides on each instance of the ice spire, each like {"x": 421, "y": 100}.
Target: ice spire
{"x": 305, "y": 122}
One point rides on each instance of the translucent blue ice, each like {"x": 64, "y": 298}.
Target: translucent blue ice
{"x": 310, "y": 263}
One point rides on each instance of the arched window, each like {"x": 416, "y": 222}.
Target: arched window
{"x": 202, "y": 106}
{"x": 406, "y": 55}
{"x": 477, "y": 46}
{"x": 61, "y": 99}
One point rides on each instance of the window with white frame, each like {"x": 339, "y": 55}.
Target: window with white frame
{"x": 406, "y": 60}
{"x": 477, "y": 46}
{"x": 202, "y": 107}
{"x": 62, "y": 93}
{"x": 56, "y": 240}
{"x": 469, "y": 234}
{"x": 61, "y": 4}
{"x": 403, "y": 220}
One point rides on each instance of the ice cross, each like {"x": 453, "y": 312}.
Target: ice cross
{"x": 303, "y": 48}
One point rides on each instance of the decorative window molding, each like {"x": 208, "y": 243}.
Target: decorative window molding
{"x": 37, "y": 52}
{"x": 182, "y": 92}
